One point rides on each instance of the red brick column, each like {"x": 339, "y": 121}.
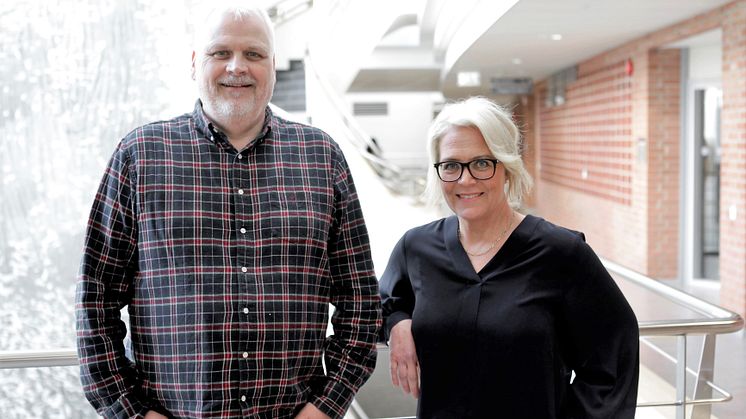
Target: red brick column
{"x": 733, "y": 163}
{"x": 664, "y": 110}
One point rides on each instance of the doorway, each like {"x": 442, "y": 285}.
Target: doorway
{"x": 706, "y": 105}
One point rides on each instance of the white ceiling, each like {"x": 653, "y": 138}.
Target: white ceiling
{"x": 588, "y": 27}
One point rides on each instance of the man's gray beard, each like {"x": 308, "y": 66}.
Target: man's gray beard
{"x": 228, "y": 110}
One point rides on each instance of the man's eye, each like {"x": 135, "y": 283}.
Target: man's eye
{"x": 219, "y": 54}
{"x": 254, "y": 55}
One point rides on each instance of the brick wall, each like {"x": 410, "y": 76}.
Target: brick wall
{"x": 663, "y": 146}
{"x": 607, "y": 160}
{"x": 585, "y": 143}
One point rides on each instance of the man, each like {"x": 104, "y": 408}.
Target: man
{"x": 227, "y": 232}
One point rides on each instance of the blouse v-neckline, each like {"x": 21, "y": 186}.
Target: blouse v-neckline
{"x": 462, "y": 263}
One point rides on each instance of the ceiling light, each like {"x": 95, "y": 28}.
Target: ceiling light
{"x": 556, "y": 37}
{"x": 469, "y": 79}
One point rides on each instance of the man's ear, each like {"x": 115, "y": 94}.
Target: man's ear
{"x": 194, "y": 65}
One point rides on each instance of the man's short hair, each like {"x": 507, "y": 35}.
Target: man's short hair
{"x": 240, "y": 9}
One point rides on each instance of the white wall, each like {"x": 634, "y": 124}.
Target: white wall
{"x": 287, "y": 36}
{"x": 402, "y": 134}
{"x": 705, "y": 62}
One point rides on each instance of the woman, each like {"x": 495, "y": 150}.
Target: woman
{"x": 489, "y": 312}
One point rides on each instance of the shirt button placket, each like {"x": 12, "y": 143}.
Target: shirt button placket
{"x": 243, "y": 242}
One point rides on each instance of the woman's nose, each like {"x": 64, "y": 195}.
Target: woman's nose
{"x": 466, "y": 176}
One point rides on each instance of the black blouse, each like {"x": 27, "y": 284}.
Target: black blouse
{"x": 503, "y": 342}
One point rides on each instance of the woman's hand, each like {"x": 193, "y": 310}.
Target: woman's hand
{"x": 405, "y": 369}
{"x": 310, "y": 411}
{"x": 154, "y": 415}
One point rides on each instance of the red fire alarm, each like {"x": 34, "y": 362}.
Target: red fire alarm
{"x": 629, "y": 68}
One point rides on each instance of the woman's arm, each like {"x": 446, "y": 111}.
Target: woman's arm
{"x": 398, "y": 300}
{"x": 601, "y": 336}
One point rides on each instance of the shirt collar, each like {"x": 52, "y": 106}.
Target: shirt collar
{"x": 209, "y": 130}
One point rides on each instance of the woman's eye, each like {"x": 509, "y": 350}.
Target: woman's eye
{"x": 481, "y": 164}
{"x": 451, "y": 166}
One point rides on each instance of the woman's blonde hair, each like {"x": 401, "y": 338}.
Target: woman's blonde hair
{"x": 500, "y": 134}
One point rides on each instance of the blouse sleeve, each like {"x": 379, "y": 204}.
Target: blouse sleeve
{"x": 602, "y": 341}
{"x": 397, "y": 297}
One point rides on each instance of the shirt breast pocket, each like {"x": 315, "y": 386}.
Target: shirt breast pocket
{"x": 301, "y": 220}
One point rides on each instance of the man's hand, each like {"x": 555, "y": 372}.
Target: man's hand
{"x": 154, "y": 415}
{"x": 405, "y": 369}
{"x": 310, "y": 411}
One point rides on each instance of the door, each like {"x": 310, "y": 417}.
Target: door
{"x": 707, "y": 106}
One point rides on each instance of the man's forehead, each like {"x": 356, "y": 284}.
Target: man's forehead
{"x": 227, "y": 26}
{"x": 225, "y": 41}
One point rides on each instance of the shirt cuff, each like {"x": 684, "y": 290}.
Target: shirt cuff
{"x": 335, "y": 399}
{"x": 128, "y": 406}
{"x": 391, "y": 321}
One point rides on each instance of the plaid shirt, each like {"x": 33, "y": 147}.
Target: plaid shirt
{"x": 227, "y": 262}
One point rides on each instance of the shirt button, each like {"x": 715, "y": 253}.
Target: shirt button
{"x": 243, "y": 230}
{"x": 244, "y": 269}
{"x": 243, "y": 398}
{"x": 240, "y": 156}
{"x": 245, "y": 310}
{"x": 240, "y": 191}
{"x": 245, "y": 354}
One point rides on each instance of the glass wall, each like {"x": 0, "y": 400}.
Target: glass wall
{"x": 75, "y": 77}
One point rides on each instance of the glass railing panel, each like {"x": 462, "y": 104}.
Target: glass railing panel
{"x": 649, "y": 306}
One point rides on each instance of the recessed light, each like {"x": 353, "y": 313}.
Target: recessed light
{"x": 469, "y": 79}
{"x": 556, "y": 37}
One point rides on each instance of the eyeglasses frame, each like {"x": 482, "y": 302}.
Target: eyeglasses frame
{"x": 466, "y": 165}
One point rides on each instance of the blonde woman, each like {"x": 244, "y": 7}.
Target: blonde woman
{"x": 489, "y": 312}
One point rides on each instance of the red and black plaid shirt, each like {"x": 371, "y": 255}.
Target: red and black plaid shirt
{"x": 228, "y": 262}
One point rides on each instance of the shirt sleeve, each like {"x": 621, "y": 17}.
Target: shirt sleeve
{"x": 350, "y": 353}
{"x": 397, "y": 296}
{"x": 103, "y": 289}
{"x": 602, "y": 341}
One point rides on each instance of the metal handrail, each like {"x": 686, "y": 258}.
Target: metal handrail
{"x": 38, "y": 359}
{"x": 716, "y": 320}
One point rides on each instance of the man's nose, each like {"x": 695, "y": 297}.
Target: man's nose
{"x": 238, "y": 64}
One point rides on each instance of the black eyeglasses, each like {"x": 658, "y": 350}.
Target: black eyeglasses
{"x": 480, "y": 169}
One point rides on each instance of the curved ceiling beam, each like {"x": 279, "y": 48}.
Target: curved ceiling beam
{"x": 402, "y": 21}
{"x": 459, "y": 27}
